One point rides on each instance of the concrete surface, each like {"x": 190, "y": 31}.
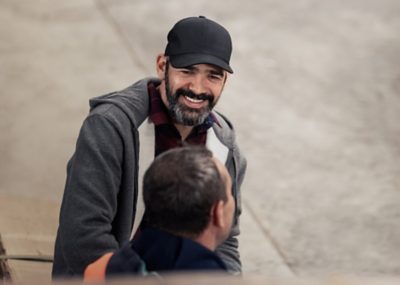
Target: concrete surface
{"x": 314, "y": 98}
{"x": 27, "y": 228}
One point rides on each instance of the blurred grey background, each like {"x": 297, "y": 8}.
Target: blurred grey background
{"x": 315, "y": 99}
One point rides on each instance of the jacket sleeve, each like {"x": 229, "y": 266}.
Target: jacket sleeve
{"x": 228, "y": 251}
{"x": 90, "y": 197}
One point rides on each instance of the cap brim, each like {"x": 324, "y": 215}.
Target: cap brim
{"x": 185, "y": 60}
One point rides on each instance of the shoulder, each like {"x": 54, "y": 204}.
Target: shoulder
{"x": 195, "y": 256}
{"x": 223, "y": 121}
{"x": 130, "y": 105}
{"x": 224, "y": 130}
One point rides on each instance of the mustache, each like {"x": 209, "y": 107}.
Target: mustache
{"x": 191, "y": 94}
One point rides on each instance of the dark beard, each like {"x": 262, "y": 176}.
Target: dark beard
{"x": 185, "y": 115}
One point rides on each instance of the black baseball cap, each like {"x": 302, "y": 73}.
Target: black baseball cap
{"x": 196, "y": 40}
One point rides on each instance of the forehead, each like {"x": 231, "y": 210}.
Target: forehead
{"x": 205, "y": 67}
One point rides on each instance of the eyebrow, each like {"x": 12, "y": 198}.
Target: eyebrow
{"x": 217, "y": 71}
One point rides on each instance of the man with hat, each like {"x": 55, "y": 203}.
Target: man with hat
{"x": 101, "y": 207}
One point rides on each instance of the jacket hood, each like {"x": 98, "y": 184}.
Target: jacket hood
{"x": 133, "y": 100}
{"x": 224, "y": 130}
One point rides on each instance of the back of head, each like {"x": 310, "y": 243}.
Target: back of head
{"x": 179, "y": 190}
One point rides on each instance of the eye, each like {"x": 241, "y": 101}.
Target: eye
{"x": 215, "y": 77}
{"x": 186, "y": 71}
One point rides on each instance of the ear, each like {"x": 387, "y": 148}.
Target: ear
{"x": 218, "y": 215}
{"x": 160, "y": 66}
{"x": 226, "y": 77}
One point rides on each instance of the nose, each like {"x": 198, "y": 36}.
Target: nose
{"x": 198, "y": 84}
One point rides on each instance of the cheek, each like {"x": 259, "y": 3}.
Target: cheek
{"x": 217, "y": 91}
{"x": 231, "y": 206}
{"x": 177, "y": 82}
{"x": 216, "y": 97}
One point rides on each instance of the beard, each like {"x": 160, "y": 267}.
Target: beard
{"x": 183, "y": 114}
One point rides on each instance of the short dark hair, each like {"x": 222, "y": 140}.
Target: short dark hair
{"x": 180, "y": 188}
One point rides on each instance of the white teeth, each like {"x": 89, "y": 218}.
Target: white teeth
{"x": 193, "y": 100}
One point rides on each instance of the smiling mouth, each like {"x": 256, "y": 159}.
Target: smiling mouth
{"x": 190, "y": 99}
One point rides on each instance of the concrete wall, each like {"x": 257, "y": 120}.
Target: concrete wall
{"x": 314, "y": 98}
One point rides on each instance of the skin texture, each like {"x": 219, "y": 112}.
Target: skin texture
{"x": 227, "y": 207}
{"x": 203, "y": 80}
{"x": 221, "y": 215}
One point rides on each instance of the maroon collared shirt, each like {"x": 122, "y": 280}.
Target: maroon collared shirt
{"x": 166, "y": 134}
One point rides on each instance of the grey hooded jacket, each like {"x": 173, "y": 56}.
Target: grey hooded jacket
{"x": 99, "y": 202}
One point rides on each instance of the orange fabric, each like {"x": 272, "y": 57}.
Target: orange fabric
{"x": 96, "y": 271}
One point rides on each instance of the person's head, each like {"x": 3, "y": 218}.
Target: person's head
{"x": 193, "y": 70}
{"x": 187, "y": 191}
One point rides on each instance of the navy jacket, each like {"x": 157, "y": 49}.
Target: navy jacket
{"x": 160, "y": 251}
